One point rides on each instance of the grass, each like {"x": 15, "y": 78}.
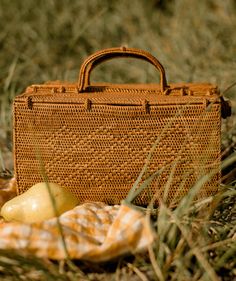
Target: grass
{"x": 196, "y": 42}
{"x": 196, "y": 243}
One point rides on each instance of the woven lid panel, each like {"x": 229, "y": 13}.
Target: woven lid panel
{"x": 121, "y": 94}
{"x": 99, "y": 153}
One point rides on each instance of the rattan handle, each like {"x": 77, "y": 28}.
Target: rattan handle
{"x": 92, "y": 61}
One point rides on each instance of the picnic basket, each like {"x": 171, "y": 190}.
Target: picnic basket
{"x": 95, "y": 139}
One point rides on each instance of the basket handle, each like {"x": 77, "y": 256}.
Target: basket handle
{"x": 92, "y": 61}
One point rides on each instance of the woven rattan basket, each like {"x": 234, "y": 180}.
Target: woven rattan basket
{"x": 95, "y": 139}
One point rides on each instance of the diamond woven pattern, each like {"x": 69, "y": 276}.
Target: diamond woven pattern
{"x": 99, "y": 153}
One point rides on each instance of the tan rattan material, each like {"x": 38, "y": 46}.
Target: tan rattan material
{"x": 95, "y": 139}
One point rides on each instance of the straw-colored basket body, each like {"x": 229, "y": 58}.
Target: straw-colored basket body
{"x": 95, "y": 140}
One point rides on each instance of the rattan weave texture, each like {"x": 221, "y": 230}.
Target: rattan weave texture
{"x": 95, "y": 139}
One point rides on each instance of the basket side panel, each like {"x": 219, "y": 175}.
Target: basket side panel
{"x": 98, "y": 154}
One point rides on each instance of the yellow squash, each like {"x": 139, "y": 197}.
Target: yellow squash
{"x": 36, "y": 204}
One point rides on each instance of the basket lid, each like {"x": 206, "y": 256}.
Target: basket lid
{"x": 121, "y": 94}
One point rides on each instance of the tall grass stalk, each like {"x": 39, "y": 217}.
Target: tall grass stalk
{"x": 57, "y": 216}
{"x": 174, "y": 229}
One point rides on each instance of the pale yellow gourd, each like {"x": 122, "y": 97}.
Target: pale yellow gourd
{"x": 36, "y": 204}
